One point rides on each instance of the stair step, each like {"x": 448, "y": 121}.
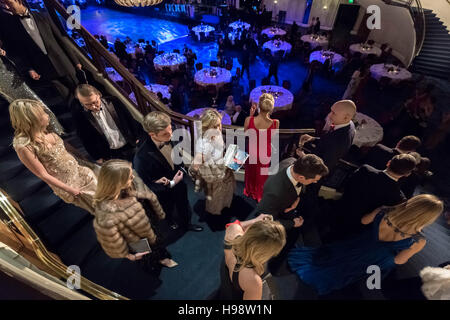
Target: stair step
{"x": 443, "y": 37}
{"x": 433, "y": 68}
{"x": 431, "y": 56}
{"x": 433, "y": 42}
{"x": 430, "y": 63}
{"x": 435, "y": 27}
{"x": 436, "y": 22}
{"x": 439, "y": 47}
{"x": 437, "y": 74}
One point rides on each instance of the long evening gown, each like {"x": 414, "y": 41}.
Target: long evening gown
{"x": 337, "y": 265}
{"x": 254, "y": 180}
{"x": 13, "y": 87}
{"x": 63, "y": 166}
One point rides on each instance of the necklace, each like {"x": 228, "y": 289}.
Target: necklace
{"x": 396, "y": 230}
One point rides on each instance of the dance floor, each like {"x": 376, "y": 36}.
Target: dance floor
{"x": 116, "y": 24}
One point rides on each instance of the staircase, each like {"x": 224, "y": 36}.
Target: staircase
{"x": 434, "y": 59}
{"x": 64, "y": 229}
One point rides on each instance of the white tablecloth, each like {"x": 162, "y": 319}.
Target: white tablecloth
{"x": 368, "y": 133}
{"x": 155, "y": 88}
{"x": 198, "y": 112}
{"x": 170, "y": 60}
{"x": 113, "y": 75}
{"x": 203, "y": 28}
{"x": 204, "y": 77}
{"x": 272, "y": 32}
{"x": 240, "y": 25}
{"x": 282, "y": 102}
{"x": 356, "y": 47}
{"x": 321, "y": 41}
{"x": 282, "y": 46}
{"x": 234, "y": 35}
{"x": 379, "y": 70}
{"x": 337, "y": 62}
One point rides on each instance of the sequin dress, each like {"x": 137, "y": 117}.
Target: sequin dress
{"x": 64, "y": 167}
{"x": 12, "y": 87}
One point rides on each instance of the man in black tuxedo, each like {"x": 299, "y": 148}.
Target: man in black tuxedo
{"x": 316, "y": 29}
{"x": 104, "y": 125}
{"x": 338, "y": 137}
{"x": 281, "y": 196}
{"x": 36, "y": 46}
{"x": 368, "y": 189}
{"x": 238, "y": 118}
{"x": 273, "y": 67}
{"x": 379, "y": 155}
{"x": 154, "y": 164}
{"x": 281, "y": 193}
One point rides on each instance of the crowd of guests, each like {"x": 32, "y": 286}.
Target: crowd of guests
{"x": 132, "y": 182}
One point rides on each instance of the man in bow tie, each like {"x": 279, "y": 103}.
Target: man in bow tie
{"x": 338, "y": 137}
{"x": 282, "y": 194}
{"x": 36, "y": 46}
{"x": 154, "y": 164}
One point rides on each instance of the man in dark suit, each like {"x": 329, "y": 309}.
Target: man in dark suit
{"x": 238, "y": 118}
{"x": 281, "y": 196}
{"x": 317, "y": 26}
{"x": 273, "y": 67}
{"x": 36, "y": 46}
{"x": 104, "y": 125}
{"x": 154, "y": 164}
{"x": 338, "y": 139}
{"x": 369, "y": 189}
{"x": 245, "y": 61}
{"x": 281, "y": 193}
{"x": 379, "y": 155}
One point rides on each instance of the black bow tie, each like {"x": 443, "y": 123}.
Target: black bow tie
{"x": 25, "y": 16}
{"x": 164, "y": 144}
{"x": 298, "y": 185}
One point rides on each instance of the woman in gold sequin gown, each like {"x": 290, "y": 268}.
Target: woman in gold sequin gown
{"x": 44, "y": 154}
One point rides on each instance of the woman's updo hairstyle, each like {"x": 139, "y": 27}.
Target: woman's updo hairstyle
{"x": 266, "y": 102}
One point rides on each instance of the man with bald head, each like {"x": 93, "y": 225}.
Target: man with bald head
{"x": 339, "y": 133}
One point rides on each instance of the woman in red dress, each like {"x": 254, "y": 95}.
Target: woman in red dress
{"x": 260, "y": 130}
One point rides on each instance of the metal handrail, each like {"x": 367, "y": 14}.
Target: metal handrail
{"x": 15, "y": 214}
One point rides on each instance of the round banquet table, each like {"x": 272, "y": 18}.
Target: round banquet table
{"x": 272, "y": 32}
{"x": 380, "y": 70}
{"x": 155, "y": 88}
{"x": 356, "y": 47}
{"x": 282, "y": 102}
{"x": 277, "y": 45}
{"x": 368, "y": 131}
{"x": 170, "y": 60}
{"x": 203, "y": 28}
{"x": 321, "y": 41}
{"x": 113, "y": 74}
{"x": 198, "y": 112}
{"x": 204, "y": 78}
{"x": 239, "y": 25}
{"x": 337, "y": 62}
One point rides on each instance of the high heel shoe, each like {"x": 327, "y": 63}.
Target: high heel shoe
{"x": 169, "y": 263}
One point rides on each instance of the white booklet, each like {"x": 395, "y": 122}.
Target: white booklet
{"x": 234, "y": 157}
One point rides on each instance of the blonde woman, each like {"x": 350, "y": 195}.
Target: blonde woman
{"x": 208, "y": 169}
{"x": 44, "y": 154}
{"x": 393, "y": 237}
{"x": 261, "y": 127}
{"x": 248, "y": 246}
{"x": 120, "y": 217}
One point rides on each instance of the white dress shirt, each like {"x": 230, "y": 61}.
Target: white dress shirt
{"x": 294, "y": 182}
{"x": 109, "y": 128}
